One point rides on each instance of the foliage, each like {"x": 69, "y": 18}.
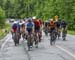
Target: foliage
{"x": 2, "y": 17}
{"x": 44, "y": 9}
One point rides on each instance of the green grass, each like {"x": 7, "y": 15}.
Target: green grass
{"x": 7, "y": 27}
{"x": 2, "y": 34}
{"x": 71, "y": 32}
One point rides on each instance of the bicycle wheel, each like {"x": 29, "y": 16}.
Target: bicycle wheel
{"x": 15, "y": 38}
{"x": 30, "y": 41}
{"x": 53, "y": 38}
{"x": 64, "y": 34}
{"x": 36, "y": 39}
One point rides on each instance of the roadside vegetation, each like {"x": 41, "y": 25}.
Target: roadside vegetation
{"x": 72, "y": 32}
{"x": 4, "y": 31}
{"x": 41, "y": 9}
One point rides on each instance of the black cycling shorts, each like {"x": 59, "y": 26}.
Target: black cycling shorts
{"x": 29, "y": 30}
{"x": 52, "y": 29}
{"x": 37, "y": 28}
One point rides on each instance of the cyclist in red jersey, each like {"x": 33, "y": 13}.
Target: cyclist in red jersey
{"x": 37, "y": 25}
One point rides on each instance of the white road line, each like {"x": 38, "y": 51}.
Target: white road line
{"x": 68, "y": 52}
{"x": 4, "y": 43}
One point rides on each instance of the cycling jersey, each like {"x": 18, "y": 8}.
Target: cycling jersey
{"x": 14, "y": 27}
{"x": 29, "y": 26}
{"x": 64, "y": 24}
{"x": 37, "y": 25}
{"x": 52, "y": 24}
{"x": 58, "y": 24}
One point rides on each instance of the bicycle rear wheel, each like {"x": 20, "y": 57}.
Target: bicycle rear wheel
{"x": 52, "y": 38}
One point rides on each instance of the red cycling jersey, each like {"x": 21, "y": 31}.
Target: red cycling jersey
{"x": 37, "y": 23}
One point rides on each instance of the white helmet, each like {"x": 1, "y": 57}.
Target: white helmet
{"x": 15, "y": 22}
{"x": 51, "y": 19}
{"x": 34, "y": 17}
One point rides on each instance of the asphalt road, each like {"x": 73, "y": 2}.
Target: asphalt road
{"x": 62, "y": 50}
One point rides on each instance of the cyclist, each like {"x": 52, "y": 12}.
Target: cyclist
{"x": 58, "y": 26}
{"x": 29, "y": 27}
{"x": 64, "y": 24}
{"x": 14, "y": 28}
{"x": 37, "y": 31}
{"x": 64, "y": 29}
{"x": 15, "y": 34}
{"x": 52, "y": 31}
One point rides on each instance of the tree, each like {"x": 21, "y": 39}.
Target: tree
{"x": 2, "y": 17}
{"x": 8, "y": 7}
{"x": 1, "y": 3}
{"x": 45, "y": 9}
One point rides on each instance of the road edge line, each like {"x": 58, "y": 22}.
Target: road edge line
{"x": 66, "y": 51}
{"x": 2, "y": 46}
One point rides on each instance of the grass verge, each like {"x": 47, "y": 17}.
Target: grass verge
{"x": 72, "y": 32}
{"x": 3, "y": 34}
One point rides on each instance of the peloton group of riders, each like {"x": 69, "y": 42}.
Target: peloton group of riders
{"x": 30, "y": 29}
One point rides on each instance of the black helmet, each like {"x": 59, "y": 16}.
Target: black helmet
{"x": 29, "y": 20}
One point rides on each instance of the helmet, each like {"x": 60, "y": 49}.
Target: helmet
{"x": 34, "y": 17}
{"x": 29, "y": 20}
{"x": 56, "y": 18}
{"x": 15, "y": 22}
{"x": 51, "y": 19}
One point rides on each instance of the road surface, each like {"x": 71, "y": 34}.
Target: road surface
{"x": 62, "y": 50}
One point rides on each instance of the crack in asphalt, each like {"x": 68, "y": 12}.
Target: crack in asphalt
{"x": 26, "y": 51}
